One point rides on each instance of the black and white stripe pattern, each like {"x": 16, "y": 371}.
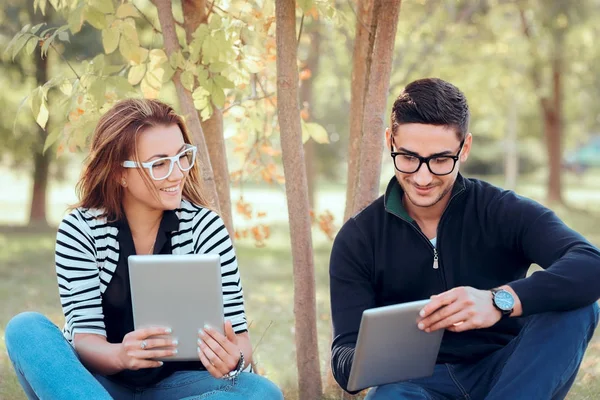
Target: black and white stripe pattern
{"x": 87, "y": 253}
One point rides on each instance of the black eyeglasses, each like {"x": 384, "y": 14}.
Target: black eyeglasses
{"x": 409, "y": 163}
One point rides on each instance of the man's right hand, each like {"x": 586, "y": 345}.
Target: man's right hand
{"x": 140, "y": 346}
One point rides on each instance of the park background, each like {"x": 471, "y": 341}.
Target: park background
{"x": 280, "y": 140}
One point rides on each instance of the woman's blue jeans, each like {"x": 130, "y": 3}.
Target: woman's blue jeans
{"x": 48, "y": 367}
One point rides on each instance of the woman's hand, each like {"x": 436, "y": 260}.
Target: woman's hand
{"x": 219, "y": 354}
{"x": 139, "y": 346}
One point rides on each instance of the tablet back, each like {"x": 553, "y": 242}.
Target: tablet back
{"x": 183, "y": 292}
{"x": 390, "y": 348}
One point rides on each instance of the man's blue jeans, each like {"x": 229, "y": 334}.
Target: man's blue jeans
{"x": 539, "y": 364}
{"x": 47, "y": 367}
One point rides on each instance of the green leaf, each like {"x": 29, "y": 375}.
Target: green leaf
{"x": 76, "y": 19}
{"x": 19, "y": 44}
{"x": 97, "y": 90}
{"x": 121, "y": 85}
{"x": 130, "y": 51}
{"x": 218, "y": 96}
{"x": 305, "y": 5}
{"x": 95, "y": 18}
{"x": 36, "y": 28}
{"x": 169, "y": 72}
{"x": 217, "y": 67}
{"x": 31, "y": 45}
{"x": 110, "y": 40}
{"x": 104, "y": 6}
{"x": 187, "y": 80}
{"x": 202, "y": 75}
{"x": 52, "y": 137}
{"x": 208, "y": 51}
{"x": 127, "y": 10}
{"x": 136, "y": 74}
{"x": 317, "y": 132}
{"x": 129, "y": 31}
{"x": 64, "y": 37}
{"x": 223, "y": 82}
{"x": 46, "y": 46}
{"x": 36, "y": 101}
{"x": 177, "y": 60}
{"x": 215, "y": 22}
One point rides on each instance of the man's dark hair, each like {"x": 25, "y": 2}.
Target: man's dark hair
{"x": 432, "y": 101}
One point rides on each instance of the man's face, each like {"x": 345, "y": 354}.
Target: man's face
{"x": 423, "y": 188}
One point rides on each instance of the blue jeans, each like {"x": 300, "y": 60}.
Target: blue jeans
{"x": 540, "y": 363}
{"x": 48, "y": 367}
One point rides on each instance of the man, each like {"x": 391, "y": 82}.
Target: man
{"x": 467, "y": 245}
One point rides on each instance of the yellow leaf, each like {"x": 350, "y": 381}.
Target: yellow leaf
{"x": 154, "y": 77}
{"x": 317, "y": 132}
{"x": 136, "y": 74}
{"x": 147, "y": 89}
{"x": 110, "y": 40}
{"x": 127, "y": 10}
{"x": 129, "y": 31}
{"x": 130, "y": 51}
{"x": 42, "y": 117}
{"x": 157, "y": 56}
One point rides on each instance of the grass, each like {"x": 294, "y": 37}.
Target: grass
{"x": 27, "y": 279}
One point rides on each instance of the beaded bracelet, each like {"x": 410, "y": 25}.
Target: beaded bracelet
{"x": 238, "y": 369}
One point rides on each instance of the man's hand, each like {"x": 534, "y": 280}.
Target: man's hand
{"x": 459, "y": 309}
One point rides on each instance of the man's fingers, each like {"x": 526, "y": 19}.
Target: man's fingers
{"x": 453, "y": 320}
{"x": 439, "y": 315}
{"x": 441, "y": 300}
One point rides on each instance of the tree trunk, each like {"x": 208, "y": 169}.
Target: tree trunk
{"x": 194, "y": 14}
{"x": 307, "y": 351}
{"x": 361, "y": 65}
{"x": 553, "y": 133}
{"x": 215, "y": 142}
{"x": 167, "y": 22}
{"x": 511, "y": 155}
{"x": 41, "y": 159}
{"x": 306, "y": 102}
{"x": 386, "y": 15}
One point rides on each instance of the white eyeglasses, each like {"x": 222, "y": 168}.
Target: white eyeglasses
{"x": 161, "y": 168}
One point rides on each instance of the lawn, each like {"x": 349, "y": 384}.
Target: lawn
{"x": 27, "y": 280}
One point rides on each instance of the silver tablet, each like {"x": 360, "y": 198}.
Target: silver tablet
{"x": 183, "y": 292}
{"x": 391, "y": 348}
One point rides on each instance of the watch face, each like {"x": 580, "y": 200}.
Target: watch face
{"x": 504, "y": 300}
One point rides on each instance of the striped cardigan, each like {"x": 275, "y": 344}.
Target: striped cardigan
{"x": 87, "y": 253}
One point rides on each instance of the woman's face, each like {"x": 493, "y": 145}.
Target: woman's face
{"x": 154, "y": 143}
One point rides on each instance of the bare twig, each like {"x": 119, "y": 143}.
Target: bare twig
{"x": 154, "y": 28}
{"x": 65, "y": 60}
{"x": 250, "y": 98}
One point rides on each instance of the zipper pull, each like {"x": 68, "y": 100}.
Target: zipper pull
{"x": 435, "y": 258}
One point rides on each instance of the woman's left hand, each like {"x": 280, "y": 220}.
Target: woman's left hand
{"x": 219, "y": 354}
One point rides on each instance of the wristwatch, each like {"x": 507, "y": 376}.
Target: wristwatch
{"x": 503, "y": 301}
{"x": 237, "y": 370}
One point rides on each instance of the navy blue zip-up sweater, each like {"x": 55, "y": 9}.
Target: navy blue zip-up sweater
{"x": 487, "y": 237}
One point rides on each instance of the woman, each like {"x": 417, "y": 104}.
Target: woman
{"x": 139, "y": 194}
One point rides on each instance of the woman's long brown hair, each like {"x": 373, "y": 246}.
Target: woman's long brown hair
{"x": 113, "y": 142}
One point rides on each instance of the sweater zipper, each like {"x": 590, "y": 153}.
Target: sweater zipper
{"x": 436, "y": 255}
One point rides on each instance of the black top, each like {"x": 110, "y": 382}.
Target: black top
{"x": 487, "y": 237}
{"x": 116, "y": 302}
